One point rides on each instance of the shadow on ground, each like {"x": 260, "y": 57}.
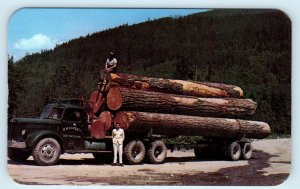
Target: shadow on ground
{"x": 248, "y": 175}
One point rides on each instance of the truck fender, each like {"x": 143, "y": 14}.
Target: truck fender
{"x": 34, "y": 138}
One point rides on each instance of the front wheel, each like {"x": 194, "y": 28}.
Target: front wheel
{"x": 46, "y": 151}
{"x": 17, "y": 154}
{"x": 134, "y": 152}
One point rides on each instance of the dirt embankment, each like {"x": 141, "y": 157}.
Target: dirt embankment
{"x": 270, "y": 165}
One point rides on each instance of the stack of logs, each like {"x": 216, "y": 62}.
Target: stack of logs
{"x": 174, "y": 107}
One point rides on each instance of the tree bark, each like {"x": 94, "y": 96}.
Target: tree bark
{"x": 174, "y": 125}
{"x": 146, "y": 101}
{"x": 191, "y": 88}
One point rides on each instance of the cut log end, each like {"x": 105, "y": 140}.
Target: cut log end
{"x": 239, "y": 90}
{"x": 106, "y": 119}
{"x": 114, "y": 98}
{"x": 114, "y": 76}
{"x": 101, "y": 125}
{"x": 97, "y": 130}
{"x": 122, "y": 119}
{"x": 97, "y": 101}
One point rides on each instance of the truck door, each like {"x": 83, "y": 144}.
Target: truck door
{"x": 72, "y": 131}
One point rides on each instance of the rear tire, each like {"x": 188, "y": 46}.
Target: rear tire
{"x": 247, "y": 151}
{"x": 17, "y": 154}
{"x": 46, "y": 152}
{"x": 234, "y": 151}
{"x": 157, "y": 152}
{"x": 134, "y": 152}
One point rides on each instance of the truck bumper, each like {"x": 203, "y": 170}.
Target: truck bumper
{"x": 14, "y": 144}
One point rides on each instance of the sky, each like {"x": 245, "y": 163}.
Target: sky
{"x": 31, "y": 30}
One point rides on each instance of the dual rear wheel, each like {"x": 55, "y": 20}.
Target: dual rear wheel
{"x": 236, "y": 151}
{"x": 233, "y": 151}
{"x": 135, "y": 152}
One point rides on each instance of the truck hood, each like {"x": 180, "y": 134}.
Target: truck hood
{"x": 36, "y": 121}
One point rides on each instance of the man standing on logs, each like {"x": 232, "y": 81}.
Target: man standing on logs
{"x": 110, "y": 67}
{"x": 118, "y": 137}
{"x": 111, "y": 63}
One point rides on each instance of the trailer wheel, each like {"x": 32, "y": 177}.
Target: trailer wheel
{"x": 247, "y": 151}
{"x": 234, "y": 151}
{"x": 134, "y": 152}
{"x": 17, "y": 154}
{"x": 157, "y": 152}
{"x": 46, "y": 152}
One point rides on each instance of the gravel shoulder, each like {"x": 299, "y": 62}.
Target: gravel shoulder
{"x": 270, "y": 165}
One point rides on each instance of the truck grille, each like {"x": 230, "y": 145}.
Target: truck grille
{"x": 15, "y": 132}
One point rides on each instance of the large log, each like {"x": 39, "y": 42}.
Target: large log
{"x": 146, "y": 101}
{"x": 192, "y": 88}
{"x": 97, "y": 100}
{"x": 101, "y": 124}
{"x": 174, "y": 125}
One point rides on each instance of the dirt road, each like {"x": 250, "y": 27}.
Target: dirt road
{"x": 269, "y": 165}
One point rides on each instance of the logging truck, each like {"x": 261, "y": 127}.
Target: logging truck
{"x": 150, "y": 110}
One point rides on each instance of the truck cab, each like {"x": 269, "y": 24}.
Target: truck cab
{"x": 62, "y": 127}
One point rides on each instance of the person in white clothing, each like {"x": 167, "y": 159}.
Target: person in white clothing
{"x": 118, "y": 137}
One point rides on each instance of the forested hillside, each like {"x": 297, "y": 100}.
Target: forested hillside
{"x": 248, "y": 48}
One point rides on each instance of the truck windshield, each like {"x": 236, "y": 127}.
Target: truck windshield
{"x": 52, "y": 112}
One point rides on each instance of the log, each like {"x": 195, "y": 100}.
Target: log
{"x": 114, "y": 98}
{"x": 191, "y": 88}
{"x": 97, "y": 101}
{"x": 101, "y": 124}
{"x": 175, "y": 125}
{"x": 147, "y": 101}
